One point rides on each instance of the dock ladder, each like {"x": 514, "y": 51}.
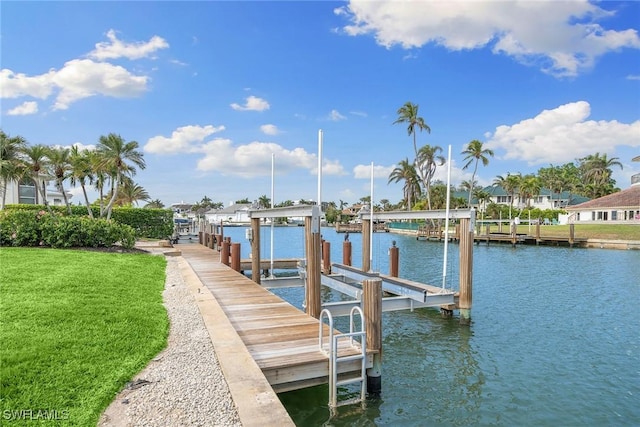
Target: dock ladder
{"x": 334, "y": 359}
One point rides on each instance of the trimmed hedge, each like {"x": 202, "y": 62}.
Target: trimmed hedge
{"x": 28, "y": 227}
{"x": 148, "y": 223}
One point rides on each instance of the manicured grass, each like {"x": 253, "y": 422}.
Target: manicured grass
{"x": 75, "y": 326}
{"x": 588, "y": 231}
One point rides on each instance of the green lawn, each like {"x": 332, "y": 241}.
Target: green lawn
{"x": 588, "y": 231}
{"x": 75, "y": 326}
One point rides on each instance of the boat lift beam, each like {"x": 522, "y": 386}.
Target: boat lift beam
{"x": 343, "y": 308}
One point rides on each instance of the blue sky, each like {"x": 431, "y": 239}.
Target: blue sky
{"x": 210, "y": 90}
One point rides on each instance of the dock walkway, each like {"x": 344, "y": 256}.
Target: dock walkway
{"x": 282, "y": 340}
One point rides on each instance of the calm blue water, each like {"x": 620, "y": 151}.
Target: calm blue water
{"x": 554, "y": 339}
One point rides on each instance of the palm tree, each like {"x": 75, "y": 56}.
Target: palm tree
{"x": 530, "y": 186}
{"x": 115, "y": 155}
{"x": 408, "y": 114}
{"x": 469, "y": 187}
{"x": 130, "y": 193}
{"x": 473, "y": 154}
{"x": 154, "y": 204}
{"x": 405, "y": 171}
{"x": 596, "y": 170}
{"x": 510, "y": 185}
{"x": 427, "y": 161}
{"x": 36, "y": 162}
{"x": 81, "y": 172}
{"x": 60, "y": 167}
{"x": 264, "y": 201}
{"x": 11, "y": 166}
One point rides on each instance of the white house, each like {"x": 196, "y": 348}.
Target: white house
{"x": 236, "y": 214}
{"x": 623, "y": 206}
{"x": 25, "y": 192}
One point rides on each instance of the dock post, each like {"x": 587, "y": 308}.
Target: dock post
{"x": 255, "y": 250}
{"x": 346, "y": 252}
{"x": 538, "y": 232}
{"x": 466, "y": 268}
{"x": 372, "y": 309}
{"x": 313, "y": 302}
{"x": 366, "y": 244}
{"x": 326, "y": 257}
{"x": 224, "y": 254}
{"x": 394, "y": 258}
{"x": 200, "y": 237}
{"x": 235, "y": 256}
{"x": 572, "y": 234}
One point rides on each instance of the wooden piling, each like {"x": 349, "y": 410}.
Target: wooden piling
{"x": 326, "y": 257}
{"x": 346, "y": 252}
{"x": 225, "y": 252}
{"x": 572, "y": 234}
{"x": 394, "y": 260}
{"x": 255, "y": 250}
{"x": 372, "y": 309}
{"x": 201, "y": 238}
{"x": 366, "y": 244}
{"x": 312, "y": 247}
{"x": 538, "y": 232}
{"x": 235, "y": 256}
{"x": 466, "y": 270}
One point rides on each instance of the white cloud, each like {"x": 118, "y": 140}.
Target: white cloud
{"x": 252, "y": 103}
{"x": 571, "y": 41}
{"x": 358, "y": 113}
{"x": 633, "y": 77}
{"x": 26, "y": 108}
{"x": 254, "y": 159}
{"x": 269, "y": 129}
{"x": 561, "y": 135}
{"x": 185, "y": 139}
{"x": 335, "y": 116}
{"x": 82, "y": 78}
{"x": 78, "y": 79}
{"x": 17, "y": 85}
{"x": 364, "y": 171}
{"x": 178, "y": 62}
{"x": 115, "y": 48}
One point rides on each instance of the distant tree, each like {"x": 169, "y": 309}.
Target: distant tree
{"x": 510, "y": 184}
{"x": 474, "y": 153}
{"x": 429, "y": 158}
{"x": 243, "y": 201}
{"x": 408, "y": 114}
{"x": 120, "y": 159}
{"x": 130, "y": 193}
{"x": 406, "y": 171}
{"x": 81, "y": 172}
{"x": 60, "y": 167}
{"x": 530, "y": 186}
{"x": 596, "y": 171}
{"x": 11, "y": 166}
{"x": 36, "y": 162}
{"x": 264, "y": 201}
{"x": 155, "y": 204}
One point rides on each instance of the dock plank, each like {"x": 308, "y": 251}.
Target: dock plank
{"x": 282, "y": 340}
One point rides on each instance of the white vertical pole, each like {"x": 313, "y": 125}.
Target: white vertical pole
{"x": 320, "y": 170}
{"x": 273, "y": 157}
{"x": 371, "y": 224}
{"x": 446, "y": 221}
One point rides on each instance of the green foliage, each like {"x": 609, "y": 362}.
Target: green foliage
{"x": 23, "y": 227}
{"x": 148, "y": 223}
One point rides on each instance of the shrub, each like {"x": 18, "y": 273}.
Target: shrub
{"x": 149, "y": 223}
{"x": 39, "y": 228}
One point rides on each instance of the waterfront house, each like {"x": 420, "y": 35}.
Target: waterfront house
{"x": 25, "y": 192}
{"x": 621, "y": 207}
{"x": 235, "y": 214}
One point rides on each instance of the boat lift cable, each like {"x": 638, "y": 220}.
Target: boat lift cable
{"x": 446, "y": 221}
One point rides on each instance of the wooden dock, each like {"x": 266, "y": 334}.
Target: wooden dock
{"x": 282, "y": 340}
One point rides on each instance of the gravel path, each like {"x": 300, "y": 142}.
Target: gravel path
{"x": 183, "y": 385}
